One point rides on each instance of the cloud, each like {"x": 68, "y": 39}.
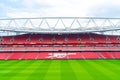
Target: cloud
{"x": 108, "y": 9}
{"x": 60, "y": 8}
{"x": 22, "y": 14}
{"x": 13, "y": 0}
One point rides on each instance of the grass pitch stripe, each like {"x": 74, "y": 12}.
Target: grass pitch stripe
{"x": 113, "y": 68}
{"x": 94, "y": 70}
{"x": 103, "y": 68}
{"x": 114, "y": 62}
{"x": 19, "y": 68}
{"x": 67, "y": 72}
{"x": 5, "y": 68}
{"x": 7, "y": 63}
{"x": 80, "y": 72}
{"x": 22, "y": 74}
{"x": 40, "y": 71}
{"x": 15, "y": 69}
{"x": 30, "y": 69}
{"x": 53, "y": 72}
{"x": 32, "y": 75}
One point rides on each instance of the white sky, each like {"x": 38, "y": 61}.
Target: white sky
{"x": 59, "y": 8}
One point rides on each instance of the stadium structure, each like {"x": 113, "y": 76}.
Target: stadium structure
{"x": 59, "y": 38}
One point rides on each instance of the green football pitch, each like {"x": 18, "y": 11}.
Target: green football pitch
{"x": 60, "y": 70}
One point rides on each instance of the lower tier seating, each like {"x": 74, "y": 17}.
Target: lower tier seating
{"x": 58, "y": 55}
{"x": 90, "y": 55}
{"x": 107, "y": 55}
{"x": 4, "y": 56}
{"x": 15, "y": 56}
{"x": 116, "y": 55}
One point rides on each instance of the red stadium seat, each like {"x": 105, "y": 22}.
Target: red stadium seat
{"x": 116, "y": 55}
{"x": 34, "y": 39}
{"x": 73, "y": 39}
{"x": 84, "y": 38}
{"x": 114, "y": 39}
{"x": 7, "y": 40}
{"x": 21, "y": 39}
{"x": 90, "y": 55}
{"x": 59, "y": 39}
{"x": 30, "y": 55}
{"x": 75, "y": 55}
{"x": 16, "y": 56}
{"x": 107, "y": 55}
{"x": 45, "y": 55}
{"x": 98, "y": 38}
{"x": 4, "y": 56}
{"x": 59, "y": 46}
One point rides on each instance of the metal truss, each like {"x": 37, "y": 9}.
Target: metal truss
{"x": 61, "y": 25}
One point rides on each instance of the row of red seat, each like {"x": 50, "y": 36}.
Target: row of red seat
{"x": 59, "y": 55}
{"x": 60, "y": 48}
{"x": 58, "y": 39}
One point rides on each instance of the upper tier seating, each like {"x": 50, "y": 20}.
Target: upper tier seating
{"x": 84, "y": 38}
{"x": 113, "y": 39}
{"x": 58, "y": 39}
{"x": 98, "y": 38}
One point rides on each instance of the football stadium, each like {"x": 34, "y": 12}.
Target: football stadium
{"x": 60, "y": 48}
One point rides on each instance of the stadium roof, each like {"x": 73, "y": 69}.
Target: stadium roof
{"x": 61, "y": 25}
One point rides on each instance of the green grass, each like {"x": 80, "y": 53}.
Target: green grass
{"x": 60, "y": 70}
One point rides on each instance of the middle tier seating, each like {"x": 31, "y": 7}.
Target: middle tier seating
{"x": 57, "y": 48}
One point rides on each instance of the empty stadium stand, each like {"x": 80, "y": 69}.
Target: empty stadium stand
{"x": 59, "y": 46}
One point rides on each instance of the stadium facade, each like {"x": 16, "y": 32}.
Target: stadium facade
{"x": 59, "y": 38}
